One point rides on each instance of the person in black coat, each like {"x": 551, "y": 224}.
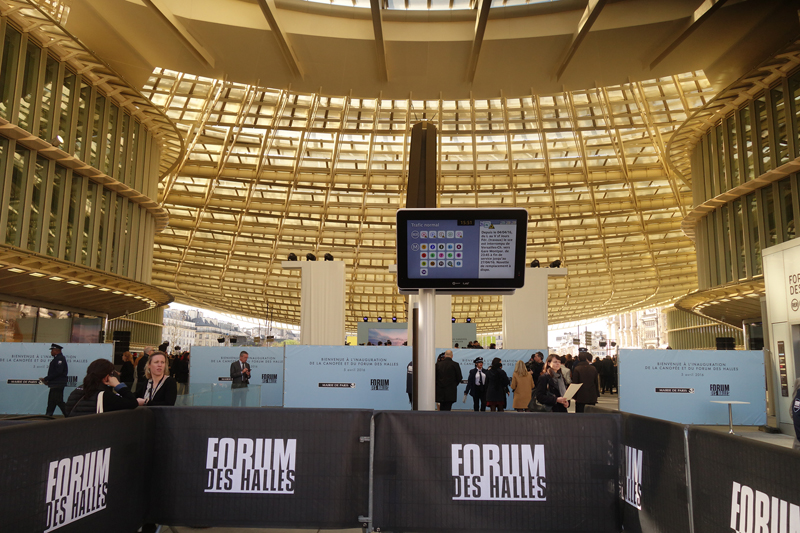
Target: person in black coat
{"x": 448, "y": 376}
{"x": 126, "y": 373}
{"x": 100, "y": 377}
{"x": 180, "y": 369}
{"x": 56, "y": 380}
{"x": 585, "y": 374}
{"x": 476, "y": 386}
{"x": 497, "y": 382}
{"x": 550, "y": 388}
{"x": 160, "y": 388}
{"x": 536, "y": 365}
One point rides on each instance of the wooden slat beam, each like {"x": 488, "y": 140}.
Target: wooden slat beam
{"x": 380, "y": 44}
{"x": 590, "y": 15}
{"x": 480, "y": 29}
{"x": 700, "y": 15}
{"x": 268, "y": 8}
{"x": 177, "y": 27}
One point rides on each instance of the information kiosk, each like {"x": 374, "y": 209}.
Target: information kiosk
{"x": 455, "y": 251}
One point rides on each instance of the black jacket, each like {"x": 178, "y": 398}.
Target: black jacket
{"x": 545, "y": 385}
{"x": 448, "y": 376}
{"x": 497, "y": 383}
{"x": 166, "y": 394}
{"x": 126, "y": 373}
{"x": 180, "y": 370}
{"x": 586, "y": 375}
{"x": 536, "y": 368}
{"x": 57, "y": 373}
{"x": 113, "y": 400}
{"x": 473, "y": 389}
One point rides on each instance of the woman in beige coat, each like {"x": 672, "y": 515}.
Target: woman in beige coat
{"x": 522, "y": 385}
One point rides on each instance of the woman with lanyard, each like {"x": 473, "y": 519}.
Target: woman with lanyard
{"x": 160, "y": 388}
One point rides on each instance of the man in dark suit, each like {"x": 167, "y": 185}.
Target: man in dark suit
{"x": 240, "y": 376}
{"x": 585, "y": 374}
{"x": 448, "y": 376}
{"x": 476, "y": 386}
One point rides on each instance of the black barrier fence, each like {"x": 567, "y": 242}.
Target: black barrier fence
{"x": 78, "y": 475}
{"x": 256, "y": 467}
{"x": 741, "y": 485}
{"x": 472, "y": 472}
{"x": 468, "y": 472}
{"x": 653, "y": 488}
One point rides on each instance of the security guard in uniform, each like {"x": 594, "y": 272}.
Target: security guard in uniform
{"x": 56, "y": 379}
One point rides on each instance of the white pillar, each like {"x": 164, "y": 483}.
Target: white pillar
{"x": 426, "y": 351}
{"x": 444, "y": 327}
{"x": 322, "y": 301}
{"x": 525, "y": 312}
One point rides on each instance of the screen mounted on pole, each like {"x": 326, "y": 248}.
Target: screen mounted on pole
{"x": 461, "y": 249}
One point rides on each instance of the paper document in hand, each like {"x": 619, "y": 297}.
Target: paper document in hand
{"x": 572, "y": 390}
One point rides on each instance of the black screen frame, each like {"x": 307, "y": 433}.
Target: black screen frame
{"x": 405, "y": 283}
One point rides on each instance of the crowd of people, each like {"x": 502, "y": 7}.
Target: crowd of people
{"x": 538, "y": 385}
{"x": 152, "y": 378}
{"x": 104, "y": 389}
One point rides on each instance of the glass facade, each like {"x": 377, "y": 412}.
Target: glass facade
{"x": 760, "y": 136}
{"x": 56, "y": 211}
{"x": 688, "y": 331}
{"x": 26, "y": 323}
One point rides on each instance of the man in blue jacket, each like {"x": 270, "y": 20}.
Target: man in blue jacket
{"x": 56, "y": 379}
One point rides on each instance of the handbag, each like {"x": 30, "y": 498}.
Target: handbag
{"x": 100, "y": 402}
{"x": 536, "y": 407}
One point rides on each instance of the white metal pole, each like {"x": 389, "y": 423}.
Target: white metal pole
{"x": 427, "y": 350}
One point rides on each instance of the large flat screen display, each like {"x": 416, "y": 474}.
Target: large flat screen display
{"x": 461, "y": 249}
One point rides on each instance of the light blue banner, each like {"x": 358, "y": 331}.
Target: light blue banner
{"x": 680, "y": 385}
{"x": 23, "y": 363}
{"x": 508, "y": 358}
{"x": 357, "y": 377}
{"x": 212, "y": 366}
{"x": 464, "y": 333}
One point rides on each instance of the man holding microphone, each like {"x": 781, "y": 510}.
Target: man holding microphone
{"x": 240, "y": 376}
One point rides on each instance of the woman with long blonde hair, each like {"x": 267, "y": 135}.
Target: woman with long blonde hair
{"x": 522, "y": 385}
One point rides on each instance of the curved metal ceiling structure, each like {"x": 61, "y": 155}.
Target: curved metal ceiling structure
{"x": 268, "y": 172}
